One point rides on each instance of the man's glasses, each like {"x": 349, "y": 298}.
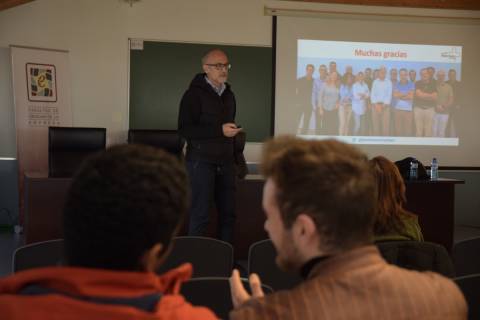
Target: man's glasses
{"x": 220, "y": 66}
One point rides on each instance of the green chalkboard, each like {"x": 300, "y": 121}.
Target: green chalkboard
{"x": 162, "y": 71}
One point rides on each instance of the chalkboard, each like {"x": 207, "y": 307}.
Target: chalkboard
{"x": 161, "y": 72}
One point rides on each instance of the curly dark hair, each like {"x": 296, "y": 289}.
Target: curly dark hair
{"x": 121, "y": 203}
{"x": 328, "y": 180}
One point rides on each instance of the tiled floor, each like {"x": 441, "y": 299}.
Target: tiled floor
{"x": 9, "y": 242}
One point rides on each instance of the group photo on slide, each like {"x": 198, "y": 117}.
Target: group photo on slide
{"x": 374, "y": 89}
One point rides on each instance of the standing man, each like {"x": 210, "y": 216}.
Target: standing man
{"x": 456, "y": 105}
{"x": 317, "y": 86}
{"x": 381, "y": 98}
{"x": 361, "y": 93}
{"x": 207, "y": 121}
{"x": 444, "y": 104}
{"x": 424, "y": 104}
{"x": 304, "y": 94}
{"x": 403, "y": 92}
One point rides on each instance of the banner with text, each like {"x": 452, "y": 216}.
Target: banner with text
{"x": 41, "y": 85}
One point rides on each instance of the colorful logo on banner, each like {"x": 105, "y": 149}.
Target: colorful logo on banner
{"x": 41, "y": 82}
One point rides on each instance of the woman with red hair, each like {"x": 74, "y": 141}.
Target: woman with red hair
{"x": 392, "y": 221}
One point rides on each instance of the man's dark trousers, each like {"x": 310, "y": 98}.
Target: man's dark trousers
{"x": 212, "y": 181}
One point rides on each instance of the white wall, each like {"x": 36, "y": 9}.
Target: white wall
{"x": 7, "y": 116}
{"x": 96, "y": 34}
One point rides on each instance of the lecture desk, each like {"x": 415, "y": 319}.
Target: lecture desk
{"x": 432, "y": 201}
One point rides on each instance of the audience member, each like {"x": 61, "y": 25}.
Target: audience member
{"x": 392, "y": 221}
{"x": 122, "y": 210}
{"x": 319, "y": 199}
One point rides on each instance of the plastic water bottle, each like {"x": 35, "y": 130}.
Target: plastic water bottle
{"x": 434, "y": 169}
{"x": 413, "y": 169}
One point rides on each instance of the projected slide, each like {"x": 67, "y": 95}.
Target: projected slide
{"x": 377, "y": 93}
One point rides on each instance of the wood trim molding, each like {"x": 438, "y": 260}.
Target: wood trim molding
{"x": 6, "y": 4}
{"x": 430, "y": 4}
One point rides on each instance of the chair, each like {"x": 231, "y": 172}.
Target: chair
{"x": 209, "y": 257}
{"x": 415, "y": 255}
{"x": 39, "y": 254}
{"x": 168, "y": 140}
{"x": 470, "y": 287}
{"x": 466, "y": 257}
{"x": 214, "y": 293}
{"x": 261, "y": 260}
{"x": 69, "y": 146}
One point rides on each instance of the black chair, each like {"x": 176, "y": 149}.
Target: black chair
{"x": 69, "y": 146}
{"x": 261, "y": 260}
{"x": 209, "y": 257}
{"x": 214, "y": 293}
{"x": 466, "y": 257}
{"x": 39, "y": 254}
{"x": 416, "y": 255}
{"x": 168, "y": 140}
{"x": 470, "y": 287}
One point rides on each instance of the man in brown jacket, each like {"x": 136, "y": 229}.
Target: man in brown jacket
{"x": 319, "y": 199}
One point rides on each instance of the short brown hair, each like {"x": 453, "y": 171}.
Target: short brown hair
{"x": 328, "y": 180}
{"x": 390, "y": 197}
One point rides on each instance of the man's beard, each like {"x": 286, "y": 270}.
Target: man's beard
{"x": 288, "y": 258}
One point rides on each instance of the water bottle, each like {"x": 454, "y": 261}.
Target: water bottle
{"x": 413, "y": 169}
{"x": 434, "y": 169}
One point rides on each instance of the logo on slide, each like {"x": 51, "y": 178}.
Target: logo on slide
{"x": 41, "y": 82}
{"x": 452, "y": 54}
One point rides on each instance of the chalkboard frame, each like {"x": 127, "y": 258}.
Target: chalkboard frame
{"x": 151, "y": 107}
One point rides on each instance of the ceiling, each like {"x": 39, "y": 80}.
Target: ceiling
{"x": 433, "y": 4}
{"x": 436, "y": 4}
{"x": 5, "y": 4}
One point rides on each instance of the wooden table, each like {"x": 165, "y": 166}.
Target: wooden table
{"x": 432, "y": 201}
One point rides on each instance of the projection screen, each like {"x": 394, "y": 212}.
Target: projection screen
{"x": 393, "y": 87}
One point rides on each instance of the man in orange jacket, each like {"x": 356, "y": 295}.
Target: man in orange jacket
{"x": 122, "y": 210}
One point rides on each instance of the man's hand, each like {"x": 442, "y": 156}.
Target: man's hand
{"x": 230, "y": 130}
{"x": 239, "y": 294}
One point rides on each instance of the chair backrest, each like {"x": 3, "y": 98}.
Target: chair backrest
{"x": 416, "y": 255}
{"x": 39, "y": 254}
{"x": 466, "y": 257}
{"x": 261, "y": 260}
{"x": 168, "y": 140}
{"x": 470, "y": 287}
{"x": 209, "y": 257}
{"x": 69, "y": 146}
{"x": 214, "y": 293}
